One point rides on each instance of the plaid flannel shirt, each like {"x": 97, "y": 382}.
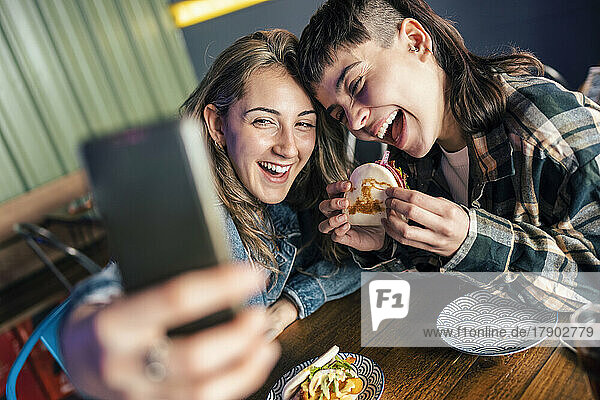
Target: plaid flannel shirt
{"x": 534, "y": 196}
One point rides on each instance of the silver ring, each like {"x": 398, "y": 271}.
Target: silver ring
{"x": 155, "y": 367}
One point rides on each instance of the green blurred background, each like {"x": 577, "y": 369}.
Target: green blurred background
{"x": 74, "y": 69}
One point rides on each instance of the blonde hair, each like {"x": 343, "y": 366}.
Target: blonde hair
{"x": 223, "y": 85}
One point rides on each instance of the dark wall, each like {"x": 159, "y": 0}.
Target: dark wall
{"x": 562, "y": 33}
{"x": 207, "y": 39}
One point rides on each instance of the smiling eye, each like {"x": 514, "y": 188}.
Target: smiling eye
{"x": 354, "y": 86}
{"x": 305, "y": 125}
{"x": 262, "y": 122}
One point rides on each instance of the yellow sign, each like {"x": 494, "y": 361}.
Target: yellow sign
{"x": 191, "y": 12}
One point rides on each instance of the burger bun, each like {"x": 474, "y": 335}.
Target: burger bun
{"x": 367, "y": 196}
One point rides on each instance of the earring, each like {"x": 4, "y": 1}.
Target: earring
{"x": 414, "y": 49}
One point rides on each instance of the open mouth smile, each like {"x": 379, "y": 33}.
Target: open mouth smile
{"x": 386, "y": 124}
{"x": 275, "y": 173}
{"x": 393, "y": 129}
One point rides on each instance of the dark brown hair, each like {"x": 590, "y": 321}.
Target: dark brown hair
{"x": 475, "y": 93}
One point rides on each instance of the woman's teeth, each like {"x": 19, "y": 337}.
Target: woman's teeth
{"x": 384, "y": 127}
{"x": 278, "y": 169}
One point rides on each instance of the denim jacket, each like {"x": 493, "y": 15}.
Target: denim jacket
{"x": 304, "y": 276}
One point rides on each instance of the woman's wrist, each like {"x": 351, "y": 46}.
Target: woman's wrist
{"x": 281, "y": 314}
{"x": 288, "y": 310}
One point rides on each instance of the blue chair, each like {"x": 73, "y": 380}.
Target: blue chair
{"x": 47, "y": 332}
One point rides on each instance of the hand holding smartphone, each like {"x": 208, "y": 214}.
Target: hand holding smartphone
{"x": 154, "y": 189}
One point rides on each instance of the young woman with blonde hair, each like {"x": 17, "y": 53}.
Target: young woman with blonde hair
{"x": 272, "y": 160}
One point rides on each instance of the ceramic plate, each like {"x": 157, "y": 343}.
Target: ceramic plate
{"x": 365, "y": 368}
{"x": 482, "y": 310}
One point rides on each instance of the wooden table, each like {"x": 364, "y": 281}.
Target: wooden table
{"x": 433, "y": 373}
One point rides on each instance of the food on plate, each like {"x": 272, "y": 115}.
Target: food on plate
{"x": 330, "y": 377}
{"x": 367, "y": 195}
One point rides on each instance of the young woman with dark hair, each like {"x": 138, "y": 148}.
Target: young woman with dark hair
{"x": 502, "y": 163}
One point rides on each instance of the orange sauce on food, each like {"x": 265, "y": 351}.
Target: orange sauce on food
{"x": 366, "y": 204}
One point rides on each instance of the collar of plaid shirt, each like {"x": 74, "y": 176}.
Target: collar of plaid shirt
{"x": 490, "y": 159}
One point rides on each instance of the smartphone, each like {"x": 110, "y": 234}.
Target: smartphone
{"x": 154, "y": 189}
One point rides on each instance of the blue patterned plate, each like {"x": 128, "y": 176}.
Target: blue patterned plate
{"x": 483, "y": 310}
{"x": 366, "y": 369}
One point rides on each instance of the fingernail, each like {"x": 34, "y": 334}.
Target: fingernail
{"x": 341, "y": 218}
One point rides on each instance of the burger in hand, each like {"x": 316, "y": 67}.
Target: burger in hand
{"x": 367, "y": 194}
